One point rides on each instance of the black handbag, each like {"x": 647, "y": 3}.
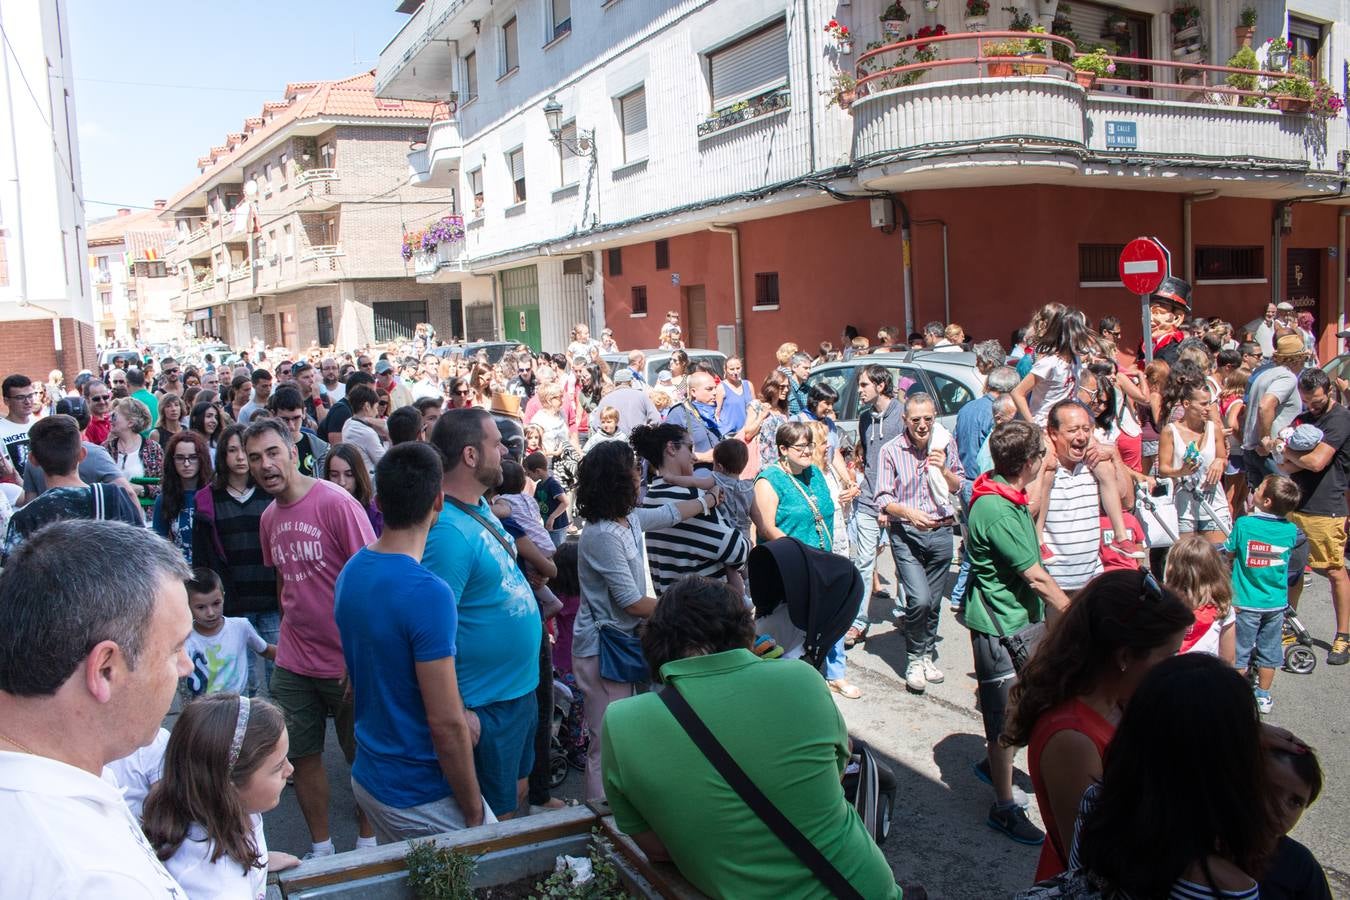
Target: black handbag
{"x": 621, "y": 658}
{"x": 1021, "y": 644}
{"x": 747, "y": 790}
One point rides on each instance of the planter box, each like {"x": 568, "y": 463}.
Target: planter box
{"x": 1086, "y": 80}
{"x": 1293, "y": 105}
{"x": 1243, "y": 35}
{"x": 1001, "y": 70}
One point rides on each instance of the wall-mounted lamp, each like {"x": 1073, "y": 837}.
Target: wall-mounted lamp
{"x": 583, "y": 145}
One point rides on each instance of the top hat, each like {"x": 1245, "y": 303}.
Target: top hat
{"x": 1173, "y": 292}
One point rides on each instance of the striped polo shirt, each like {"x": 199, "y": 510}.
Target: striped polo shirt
{"x": 1073, "y": 530}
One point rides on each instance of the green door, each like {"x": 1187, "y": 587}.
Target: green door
{"x": 520, "y": 306}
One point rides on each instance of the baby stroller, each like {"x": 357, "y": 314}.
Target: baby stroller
{"x": 567, "y": 731}
{"x": 805, "y": 600}
{"x": 1298, "y": 644}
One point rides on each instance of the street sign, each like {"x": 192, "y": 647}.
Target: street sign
{"x": 1122, "y": 136}
{"x": 1143, "y": 265}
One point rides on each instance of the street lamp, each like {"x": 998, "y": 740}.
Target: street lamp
{"x": 582, "y": 145}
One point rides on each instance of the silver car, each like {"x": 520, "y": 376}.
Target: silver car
{"x": 950, "y": 378}
{"x": 659, "y": 359}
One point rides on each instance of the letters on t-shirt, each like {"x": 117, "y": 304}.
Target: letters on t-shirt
{"x": 1261, "y": 555}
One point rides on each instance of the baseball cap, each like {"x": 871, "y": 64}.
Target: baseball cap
{"x": 1285, "y": 306}
{"x": 383, "y": 366}
{"x": 622, "y": 376}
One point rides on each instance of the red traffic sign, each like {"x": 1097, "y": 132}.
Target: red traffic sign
{"x": 1144, "y": 263}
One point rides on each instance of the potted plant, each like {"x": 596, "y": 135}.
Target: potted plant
{"x": 1277, "y": 53}
{"x": 842, "y": 37}
{"x": 843, "y": 90}
{"x": 1294, "y": 95}
{"x": 1244, "y": 32}
{"x": 1091, "y": 66}
{"x": 1004, "y": 68}
{"x": 1021, "y": 19}
{"x": 1185, "y": 15}
{"x": 977, "y": 14}
{"x": 1063, "y": 27}
{"x": 931, "y": 5}
{"x": 1116, "y": 23}
{"x": 893, "y": 19}
{"x": 1326, "y": 102}
{"x": 1245, "y": 58}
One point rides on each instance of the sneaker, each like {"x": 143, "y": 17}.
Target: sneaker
{"x": 1129, "y": 549}
{"x": 1013, "y": 822}
{"x": 1046, "y": 553}
{"x": 1339, "y": 654}
{"x": 931, "y": 673}
{"x": 915, "y": 679}
{"x": 314, "y": 854}
{"x": 981, "y": 769}
{"x": 1264, "y": 702}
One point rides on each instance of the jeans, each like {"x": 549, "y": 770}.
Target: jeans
{"x": 922, "y": 559}
{"x": 268, "y": 626}
{"x": 558, "y": 536}
{"x": 836, "y": 661}
{"x": 864, "y": 538}
{"x": 963, "y": 572}
{"x": 1257, "y": 468}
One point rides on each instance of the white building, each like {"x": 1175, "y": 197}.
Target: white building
{"x": 45, "y": 308}
{"x": 725, "y": 180}
{"x": 133, "y": 290}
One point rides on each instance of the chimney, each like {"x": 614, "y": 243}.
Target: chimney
{"x": 160, "y": 204}
{"x": 123, "y": 212}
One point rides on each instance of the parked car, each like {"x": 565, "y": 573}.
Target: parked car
{"x": 950, "y": 378}
{"x": 130, "y": 354}
{"x": 1339, "y": 370}
{"x": 495, "y": 349}
{"x": 659, "y": 359}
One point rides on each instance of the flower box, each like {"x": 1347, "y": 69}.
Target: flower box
{"x": 1086, "y": 80}
{"x": 1293, "y": 105}
{"x": 779, "y": 98}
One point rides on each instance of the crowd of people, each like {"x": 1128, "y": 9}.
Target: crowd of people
{"x": 417, "y": 543}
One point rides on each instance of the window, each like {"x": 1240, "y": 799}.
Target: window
{"x": 561, "y": 19}
{"x": 288, "y": 245}
{"x": 268, "y": 175}
{"x": 105, "y": 301}
{"x": 633, "y": 124}
{"x": 1230, "y": 263}
{"x": 396, "y": 321}
{"x": 616, "y": 261}
{"x": 476, "y": 188}
{"x": 1307, "y": 40}
{"x": 662, "y": 255}
{"x": 639, "y": 299}
{"x": 272, "y": 246}
{"x": 231, "y": 201}
{"x": 515, "y": 162}
{"x": 951, "y": 394}
{"x": 750, "y": 66}
{"x": 148, "y": 268}
{"x": 326, "y": 154}
{"x": 285, "y": 173}
{"x": 132, "y": 300}
{"x": 510, "y": 47}
{"x": 324, "y": 320}
{"x": 766, "y": 288}
{"x": 567, "y": 160}
{"x": 471, "y": 77}
{"x": 1099, "y": 263}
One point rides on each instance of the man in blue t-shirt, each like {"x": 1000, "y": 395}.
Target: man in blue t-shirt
{"x": 414, "y": 770}
{"x": 499, "y": 624}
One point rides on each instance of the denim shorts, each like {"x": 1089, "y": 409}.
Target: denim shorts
{"x": 505, "y": 750}
{"x": 1263, "y": 631}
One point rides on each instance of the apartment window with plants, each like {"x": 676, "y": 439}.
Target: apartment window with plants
{"x": 515, "y": 164}
{"x": 510, "y": 47}
{"x": 560, "y": 19}
{"x": 471, "y": 77}
{"x": 751, "y": 72}
{"x": 633, "y": 124}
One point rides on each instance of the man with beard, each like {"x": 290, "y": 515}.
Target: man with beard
{"x": 499, "y": 625}
{"x": 308, "y": 533}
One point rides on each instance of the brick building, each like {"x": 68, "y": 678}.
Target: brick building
{"x": 292, "y": 233}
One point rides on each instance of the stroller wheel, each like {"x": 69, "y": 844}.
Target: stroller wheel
{"x": 1299, "y": 659}
{"x": 557, "y": 770}
{"x": 884, "y": 826}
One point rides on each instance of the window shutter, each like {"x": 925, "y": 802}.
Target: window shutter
{"x": 633, "y": 116}
{"x": 569, "y": 159}
{"x": 562, "y": 16}
{"x": 517, "y": 165}
{"x": 510, "y": 54}
{"x": 750, "y": 66}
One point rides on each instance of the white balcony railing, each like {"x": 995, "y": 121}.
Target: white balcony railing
{"x": 446, "y": 257}
{"x": 311, "y": 176}
{"x": 321, "y": 251}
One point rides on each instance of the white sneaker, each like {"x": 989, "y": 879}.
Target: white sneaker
{"x": 1264, "y": 702}
{"x": 915, "y": 679}
{"x": 931, "y": 673}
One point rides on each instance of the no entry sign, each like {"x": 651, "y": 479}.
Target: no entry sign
{"x": 1143, "y": 265}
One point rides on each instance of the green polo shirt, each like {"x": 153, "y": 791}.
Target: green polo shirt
{"x": 777, "y": 720}
{"x": 1001, "y": 545}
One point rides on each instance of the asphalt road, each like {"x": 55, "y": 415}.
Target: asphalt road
{"x": 940, "y": 838}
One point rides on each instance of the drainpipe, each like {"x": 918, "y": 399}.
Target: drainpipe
{"x": 946, "y": 276}
{"x": 1188, "y": 235}
{"x": 736, "y": 300}
{"x": 810, "y": 80}
{"x": 1276, "y": 249}
{"x": 498, "y": 313}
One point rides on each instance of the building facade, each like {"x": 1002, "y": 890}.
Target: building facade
{"x": 714, "y": 157}
{"x": 291, "y": 235}
{"x": 133, "y": 291}
{"x": 46, "y": 317}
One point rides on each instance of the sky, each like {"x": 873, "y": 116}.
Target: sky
{"x": 159, "y": 84}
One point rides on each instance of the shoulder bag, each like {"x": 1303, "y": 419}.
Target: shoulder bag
{"x": 621, "y": 658}
{"x": 1021, "y": 644}
{"x": 772, "y": 816}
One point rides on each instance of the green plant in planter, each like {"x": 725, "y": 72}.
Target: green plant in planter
{"x": 1036, "y": 45}
{"x": 1326, "y": 102}
{"x": 604, "y": 884}
{"x": 1096, "y": 62}
{"x": 1185, "y": 15}
{"x": 1012, "y": 47}
{"x": 1063, "y": 27}
{"x": 895, "y": 13}
{"x": 1296, "y": 86}
{"x": 1248, "y": 18}
{"x": 439, "y": 873}
{"x": 841, "y": 85}
{"x": 1244, "y": 59}
{"x": 1021, "y": 19}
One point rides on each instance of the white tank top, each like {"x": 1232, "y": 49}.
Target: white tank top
{"x": 1206, "y": 446}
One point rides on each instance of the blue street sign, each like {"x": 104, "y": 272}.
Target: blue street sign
{"x": 1122, "y": 136}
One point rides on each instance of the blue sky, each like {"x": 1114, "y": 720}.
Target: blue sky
{"x": 196, "y": 70}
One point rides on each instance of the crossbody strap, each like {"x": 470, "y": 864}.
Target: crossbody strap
{"x": 482, "y": 520}
{"x": 754, "y": 798}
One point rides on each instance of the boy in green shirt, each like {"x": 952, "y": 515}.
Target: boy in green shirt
{"x": 1262, "y": 544}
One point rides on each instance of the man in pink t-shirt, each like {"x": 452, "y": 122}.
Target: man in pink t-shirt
{"x": 308, "y": 534}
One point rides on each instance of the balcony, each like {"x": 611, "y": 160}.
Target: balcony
{"x": 444, "y": 263}
{"x": 436, "y": 164}
{"x": 956, "y": 109}
{"x": 315, "y": 190}
{"x": 415, "y": 64}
